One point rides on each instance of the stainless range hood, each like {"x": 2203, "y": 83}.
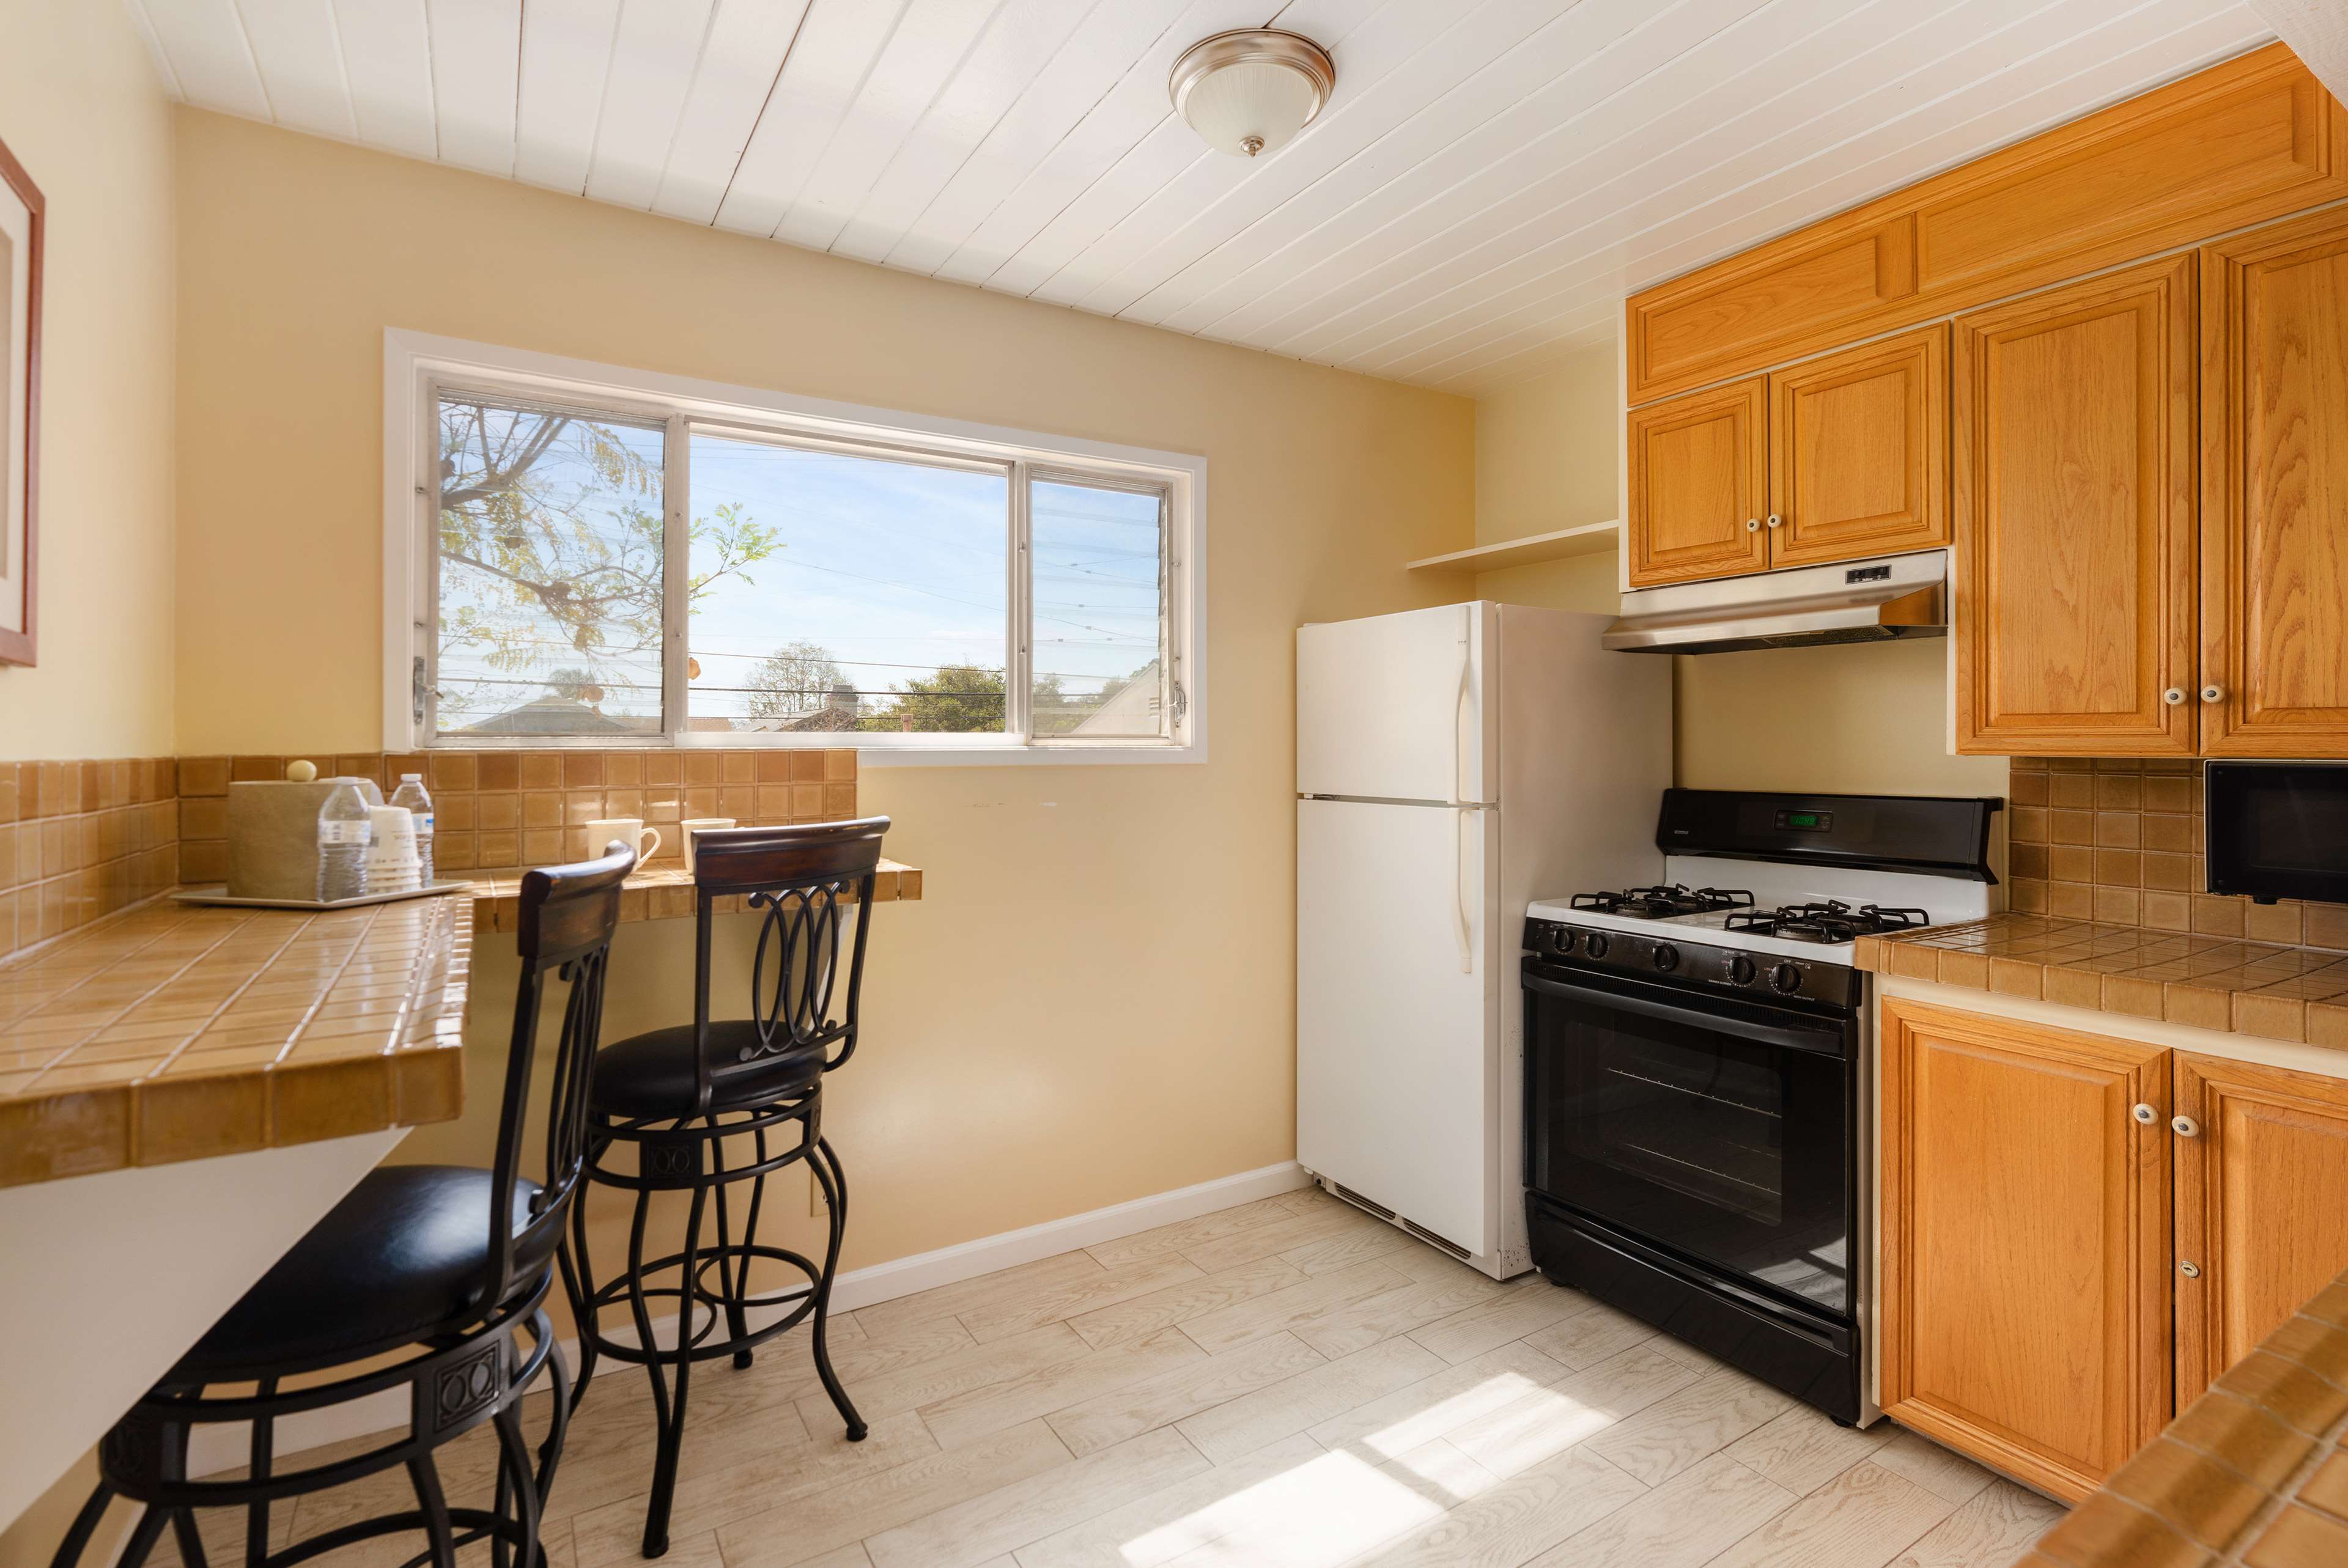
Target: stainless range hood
{"x": 1877, "y": 601}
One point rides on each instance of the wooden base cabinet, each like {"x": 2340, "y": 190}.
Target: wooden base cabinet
{"x": 2025, "y": 1228}
{"x": 2261, "y": 1205}
{"x": 2080, "y": 1234}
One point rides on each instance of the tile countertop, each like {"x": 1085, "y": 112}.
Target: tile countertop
{"x": 175, "y": 1032}
{"x": 2255, "y": 1472}
{"x": 2262, "y": 988}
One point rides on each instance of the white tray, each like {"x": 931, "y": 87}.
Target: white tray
{"x": 220, "y": 896}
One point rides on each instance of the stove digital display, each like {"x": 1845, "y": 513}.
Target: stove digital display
{"x": 1806, "y": 821}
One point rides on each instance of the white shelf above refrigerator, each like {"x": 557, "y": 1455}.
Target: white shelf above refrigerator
{"x": 1589, "y": 540}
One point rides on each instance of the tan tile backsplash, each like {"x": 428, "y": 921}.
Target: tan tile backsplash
{"x": 2119, "y": 840}
{"x": 80, "y": 839}
{"x": 494, "y": 810}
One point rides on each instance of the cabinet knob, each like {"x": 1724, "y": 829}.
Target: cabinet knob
{"x": 2213, "y": 693}
{"x": 1752, "y": 525}
{"x": 2189, "y": 1270}
{"x": 2144, "y": 1113}
{"x": 2184, "y": 1126}
{"x": 1776, "y": 521}
{"x": 2173, "y": 696}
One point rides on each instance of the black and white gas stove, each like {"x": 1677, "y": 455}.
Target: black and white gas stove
{"x": 1696, "y": 1062}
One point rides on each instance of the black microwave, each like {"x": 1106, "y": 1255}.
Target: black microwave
{"x": 2277, "y": 830}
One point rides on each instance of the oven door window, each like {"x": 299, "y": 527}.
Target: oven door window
{"x": 1724, "y": 1137}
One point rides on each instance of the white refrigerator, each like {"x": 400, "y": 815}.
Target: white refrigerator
{"x": 1452, "y": 765}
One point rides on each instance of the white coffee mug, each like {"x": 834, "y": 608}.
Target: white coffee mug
{"x": 699, "y": 824}
{"x": 628, "y": 830}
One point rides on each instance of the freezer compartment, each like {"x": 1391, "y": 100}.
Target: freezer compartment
{"x": 1395, "y": 707}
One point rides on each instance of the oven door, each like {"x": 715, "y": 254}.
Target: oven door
{"x": 1719, "y": 1130}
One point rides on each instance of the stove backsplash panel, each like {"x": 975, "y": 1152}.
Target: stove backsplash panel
{"x": 2119, "y": 839}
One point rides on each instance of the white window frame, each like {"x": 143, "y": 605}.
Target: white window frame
{"x": 419, "y": 365}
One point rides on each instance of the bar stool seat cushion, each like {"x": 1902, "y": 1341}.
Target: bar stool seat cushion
{"x": 652, "y": 1075}
{"x": 399, "y": 1257}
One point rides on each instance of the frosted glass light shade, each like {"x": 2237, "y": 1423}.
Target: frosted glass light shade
{"x": 1249, "y": 93}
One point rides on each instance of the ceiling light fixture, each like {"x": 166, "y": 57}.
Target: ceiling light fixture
{"x": 1248, "y": 92}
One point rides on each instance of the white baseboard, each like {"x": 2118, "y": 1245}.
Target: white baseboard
{"x": 226, "y": 1447}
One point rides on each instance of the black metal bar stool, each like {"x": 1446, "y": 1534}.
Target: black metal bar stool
{"x": 433, "y": 1265}
{"x": 677, "y": 1096}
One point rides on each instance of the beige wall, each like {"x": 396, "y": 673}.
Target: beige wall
{"x": 80, "y": 110}
{"x": 1094, "y": 1000}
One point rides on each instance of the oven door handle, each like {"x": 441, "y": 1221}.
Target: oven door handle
{"x": 1821, "y": 1039}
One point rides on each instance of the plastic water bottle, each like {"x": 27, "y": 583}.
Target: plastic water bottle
{"x": 343, "y": 829}
{"x": 410, "y": 793}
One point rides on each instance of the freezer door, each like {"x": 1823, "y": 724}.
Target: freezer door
{"x": 1397, "y": 1021}
{"x": 1391, "y": 708}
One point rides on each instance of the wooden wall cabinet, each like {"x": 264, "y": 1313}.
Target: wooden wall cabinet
{"x": 2244, "y": 142}
{"x": 2261, "y": 1205}
{"x": 1699, "y": 479}
{"x": 2274, "y": 510}
{"x": 2024, "y": 1215}
{"x": 2073, "y": 573}
{"x": 1843, "y": 457}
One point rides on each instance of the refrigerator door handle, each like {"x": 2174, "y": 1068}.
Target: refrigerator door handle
{"x": 1466, "y": 932}
{"x": 1458, "y": 710}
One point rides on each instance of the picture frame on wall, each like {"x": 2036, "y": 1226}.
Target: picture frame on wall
{"x": 22, "y": 221}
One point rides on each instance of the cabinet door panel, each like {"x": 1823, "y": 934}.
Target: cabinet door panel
{"x": 1859, "y": 445}
{"x": 2261, "y": 1205}
{"x": 2274, "y": 516}
{"x": 2023, "y": 1308}
{"x": 2073, "y": 571}
{"x": 1699, "y": 476}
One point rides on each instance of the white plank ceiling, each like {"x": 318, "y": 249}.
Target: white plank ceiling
{"x": 1489, "y": 180}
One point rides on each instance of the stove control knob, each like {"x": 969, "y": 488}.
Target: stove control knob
{"x": 1741, "y": 970}
{"x": 1666, "y": 957}
{"x": 1561, "y": 940}
{"x": 1785, "y": 977}
{"x": 1595, "y": 944}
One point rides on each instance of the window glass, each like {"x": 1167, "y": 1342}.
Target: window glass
{"x": 550, "y": 572}
{"x": 1099, "y": 611}
{"x": 838, "y": 591}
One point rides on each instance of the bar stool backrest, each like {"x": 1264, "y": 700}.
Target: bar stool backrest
{"x": 568, "y": 915}
{"x": 802, "y": 877}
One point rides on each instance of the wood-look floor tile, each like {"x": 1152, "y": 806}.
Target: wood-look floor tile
{"x": 1009, "y": 1284}
{"x": 1415, "y": 1306}
{"x": 1935, "y": 1468}
{"x": 1362, "y": 1244}
{"x": 1339, "y": 1509}
{"x": 1578, "y": 1406}
{"x": 960, "y": 1417}
{"x": 849, "y": 1556}
{"x": 1598, "y": 1333}
{"x": 1298, "y": 1403}
{"x": 940, "y": 1378}
{"x": 1051, "y": 1303}
{"x": 1293, "y": 1307}
{"x": 1024, "y": 1512}
{"x": 1156, "y": 1529}
{"x": 1422, "y": 1411}
{"x": 1802, "y": 1449}
{"x": 829, "y": 1517}
{"x": 1464, "y": 1335}
{"x": 1682, "y": 1428}
{"x": 1202, "y": 1385}
{"x": 1181, "y": 1233}
{"x": 1687, "y": 1520}
{"x": 611, "y": 1531}
{"x": 1519, "y": 1519}
{"x": 1862, "y": 1519}
{"x": 1318, "y": 1225}
{"x": 1145, "y": 1314}
{"x": 2001, "y": 1523}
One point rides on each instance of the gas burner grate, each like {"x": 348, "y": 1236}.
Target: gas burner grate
{"x": 1830, "y": 921}
{"x": 1664, "y": 901}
